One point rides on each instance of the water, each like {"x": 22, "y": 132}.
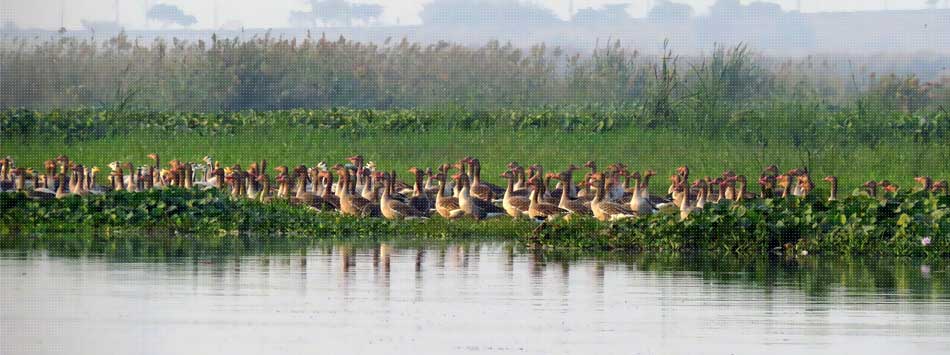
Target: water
{"x": 482, "y": 297}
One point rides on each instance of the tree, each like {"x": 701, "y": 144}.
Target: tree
{"x": 668, "y": 12}
{"x": 170, "y": 14}
{"x": 336, "y": 13}
{"x": 503, "y": 13}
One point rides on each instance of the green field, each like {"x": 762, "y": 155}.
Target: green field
{"x": 661, "y": 150}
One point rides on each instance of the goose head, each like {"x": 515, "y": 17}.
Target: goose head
{"x": 925, "y": 182}
{"x": 832, "y": 179}
{"x": 114, "y": 166}
{"x": 590, "y": 164}
{"x": 770, "y": 170}
{"x": 512, "y": 165}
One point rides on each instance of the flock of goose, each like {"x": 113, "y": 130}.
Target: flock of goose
{"x": 360, "y": 188}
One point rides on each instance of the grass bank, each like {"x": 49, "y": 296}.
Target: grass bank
{"x": 659, "y": 149}
{"x": 908, "y": 224}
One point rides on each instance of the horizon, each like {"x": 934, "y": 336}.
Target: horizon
{"x": 243, "y": 13}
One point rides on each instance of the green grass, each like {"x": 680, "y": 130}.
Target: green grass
{"x": 658, "y": 149}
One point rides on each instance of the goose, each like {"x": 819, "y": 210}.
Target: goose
{"x": 941, "y": 185}
{"x": 888, "y": 186}
{"x": 50, "y": 174}
{"x": 395, "y": 209}
{"x": 518, "y": 172}
{"x": 6, "y": 184}
{"x": 61, "y": 190}
{"x": 785, "y": 182}
{"x": 833, "y": 180}
{"x": 588, "y": 182}
{"x": 615, "y": 189}
{"x": 926, "y": 183}
{"x": 431, "y": 185}
{"x": 350, "y": 202}
{"x": 603, "y": 209}
{"x": 871, "y": 187}
{"x": 687, "y": 206}
{"x": 264, "y": 195}
{"x": 304, "y": 197}
{"x": 474, "y": 207}
{"x": 701, "y": 195}
{"x": 158, "y": 181}
{"x": 357, "y": 162}
{"x": 545, "y": 195}
{"x": 209, "y": 167}
{"x": 679, "y": 194}
{"x": 639, "y": 204}
{"x": 743, "y": 193}
{"x": 331, "y": 201}
{"x": 570, "y": 183}
{"x": 80, "y": 181}
{"x": 515, "y": 206}
{"x": 767, "y": 184}
{"x": 567, "y": 203}
{"x": 486, "y": 191}
{"x": 538, "y": 209}
{"x": 728, "y": 179}
{"x": 420, "y": 199}
{"x": 18, "y": 175}
{"x": 118, "y": 176}
{"x": 447, "y": 206}
{"x": 371, "y": 186}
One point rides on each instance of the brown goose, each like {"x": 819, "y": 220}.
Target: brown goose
{"x": 515, "y": 206}
{"x": 419, "y": 199}
{"x": 602, "y": 208}
{"x": 833, "y": 180}
{"x": 447, "y": 206}
{"x": 350, "y": 202}
{"x": 332, "y": 202}
{"x": 481, "y": 189}
{"x": 638, "y": 203}
{"x": 568, "y": 202}
{"x": 395, "y": 209}
{"x": 538, "y": 209}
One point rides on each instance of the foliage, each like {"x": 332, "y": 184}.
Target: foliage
{"x": 800, "y": 124}
{"x": 268, "y": 73}
{"x": 856, "y": 225}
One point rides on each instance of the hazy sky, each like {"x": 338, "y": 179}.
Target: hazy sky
{"x": 274, "y": 13}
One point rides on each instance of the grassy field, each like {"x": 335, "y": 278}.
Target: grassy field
{"x": 661, "y": 150}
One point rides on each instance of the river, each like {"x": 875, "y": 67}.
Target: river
{"x": 467, "y": 297}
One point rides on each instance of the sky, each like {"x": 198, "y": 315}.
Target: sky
{"x": 274, "y": 13}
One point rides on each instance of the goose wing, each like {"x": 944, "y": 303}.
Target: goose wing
{"x": 615, "y": 209}
{"x": 404, "y": 210}
{"x": 549, "y": 209}
{"x": 487, "y": 207}
{"x": 521, "y": 203}
{"x": 578, "y": 206}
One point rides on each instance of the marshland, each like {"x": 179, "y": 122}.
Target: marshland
{"x": 331, "y": 191}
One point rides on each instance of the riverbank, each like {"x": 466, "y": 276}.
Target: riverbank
{"x": 907, "y": 224}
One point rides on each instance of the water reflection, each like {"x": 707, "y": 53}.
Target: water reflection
{"x": 369, "y": 296}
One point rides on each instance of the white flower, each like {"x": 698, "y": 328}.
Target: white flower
{"x": 925, "y": 241}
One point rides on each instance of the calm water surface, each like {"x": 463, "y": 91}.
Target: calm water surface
{"x": 490, "y": 297}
